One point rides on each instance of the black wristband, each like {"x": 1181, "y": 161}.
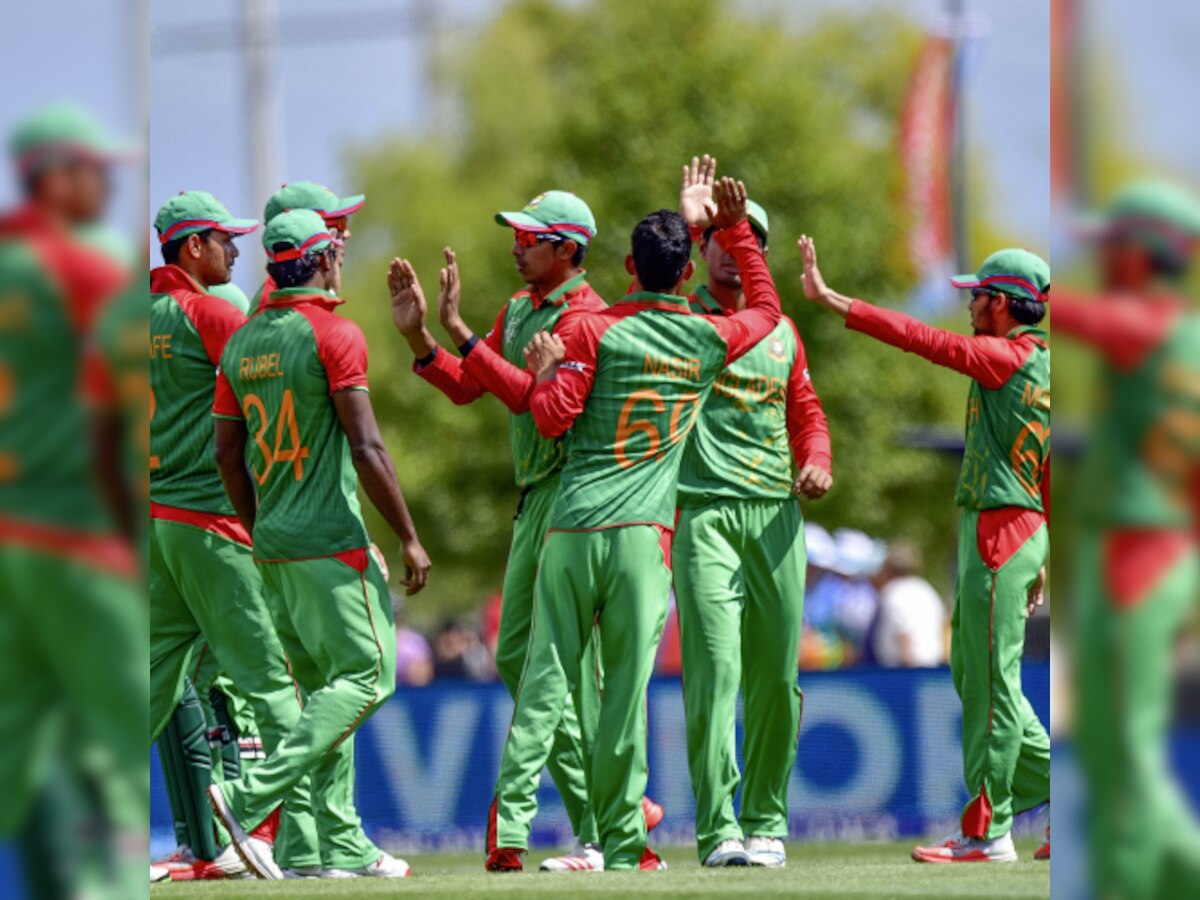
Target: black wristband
{"x": 426, "y": 360}
{"x": 464, "y": 349}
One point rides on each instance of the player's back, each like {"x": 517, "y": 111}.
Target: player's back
{"x": 281, "y": 366}
{"x": 655, "y": 362}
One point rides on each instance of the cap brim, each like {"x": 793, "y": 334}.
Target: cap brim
{"x": 969, "y": 280}
{"x": 521, "y": 221}
{"x": 238, "y": 226}
{"x": 347, "y": 206}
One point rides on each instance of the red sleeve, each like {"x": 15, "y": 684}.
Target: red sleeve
{"x": 449, "y": 375}
{"x": 97, "y": 379}
{"x": 88, "y": 279}
{"x": 989, "y": 360}
{"x": 486, "y": 365}
{"x": 808, "y": 430}
{"x": 557, "y": 402}
{"x": 215, "y": 321}
{"x": 1124, "y": 330}
{"x": 342, "y": 350}
{"x": 745, "y": 329}
{"x": 225, "y": 402}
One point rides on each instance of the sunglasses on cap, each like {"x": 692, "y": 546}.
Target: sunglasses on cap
{"x": 533, "y": 238}
{"x": 977, "y": 292}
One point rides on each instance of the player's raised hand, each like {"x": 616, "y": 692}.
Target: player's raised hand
{"x": 811, "y": 280}
{"x": 450, "y": 296}
{"x": 730, "y": 196}
{"x": 1037, "y": 593}
{"x": 408, "y": 301}
{"x": 416, "y": 566}
{"x": 813, "y": 482}
{"x": 695, "y": 194}
{"x": 544, "y": 353}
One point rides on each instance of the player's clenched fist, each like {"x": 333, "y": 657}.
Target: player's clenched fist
{"x": 544, "y": 353}
{"x": 416, "y": 566}
{"x": 408, "y": 301}
{"x": 813, "y": 482}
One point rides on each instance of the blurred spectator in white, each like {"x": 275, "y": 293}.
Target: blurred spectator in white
{"x": 840, "y": 601}
{"x": 910, "y": 626}
{"x": 459, "y": 653}
{"x": 414, "y": 656}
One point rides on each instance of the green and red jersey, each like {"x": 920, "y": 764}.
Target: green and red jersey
{"x": 53, "y": 291}
{"x": 497, "y": 364}
{"x": 763, "y": 413}
{"x": 264, "y": 290}
{"x": 630, "y": 388}
{"x": 279, "y": 373}
{"x": 188, "y": 332}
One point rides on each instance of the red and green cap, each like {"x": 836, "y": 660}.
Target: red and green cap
{"x": 61, "y": 132}
{"x": 191, "y": 212}
{"x": 758, "y": 218}
{"x": 1161, "y": 214}
{"x": 1013, "y": 271}
{"x": 554, "y": 212}
{"x": 303, "y": 231}
{"x": 310, "y": 195}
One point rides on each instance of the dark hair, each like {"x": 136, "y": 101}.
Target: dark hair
{"x": 1025, "y": 310}
{"x": 295, "y": 272}
{"x": 580, "y": 253}
{"x": 661, "y": 249}
{"x": 171, "y": 249}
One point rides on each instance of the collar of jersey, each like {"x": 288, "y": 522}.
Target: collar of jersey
{"x": 653, "y": 298}
{"x": 1031, "y": 330}
{"x": 165, "y": 279}
{"x": 708, "y": 302}
{"x": 293, "y": 295}
{"x": 559, "y": 294}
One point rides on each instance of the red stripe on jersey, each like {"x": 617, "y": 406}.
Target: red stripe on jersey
{"x": 229, "y": 527}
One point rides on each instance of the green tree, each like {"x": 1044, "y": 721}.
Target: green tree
{"x": 607, "y": 99}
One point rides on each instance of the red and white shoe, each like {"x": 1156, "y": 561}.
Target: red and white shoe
{"x": 1043, "y": 852}
{"x": 653, "y": 813}
{"x": 182, "y": 858}
{"x": 255, "y": 848}
{"x": 387, "y": 866}
{"x": 968, "y": 849}
{"x": 505, "y": 859}
{"x": 159, "y": 873}
{"x": 652, "y": 862}
{"x": 227, "y": 865}
{"x": 585, "y": 858}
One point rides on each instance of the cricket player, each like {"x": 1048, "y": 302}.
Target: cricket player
{"x": 739, "y": 559}
{"x": 629, "y": 386}
{"x": 294, "y": 428}
{"x": 72, "y": 621}
{"x": 1138, "y": 568}
{"x": 206, "y": 592}
{"x": 551, "y": 237}
{"x": 1003, "y": 537}
{"x": 336, "y": 212}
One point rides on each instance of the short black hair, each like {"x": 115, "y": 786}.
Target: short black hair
{"x": 171, "y": 249}
{"x": 295, "y": 272}
{"x": 661, "y": 249}
{"x": 580, "y": 253}
{"x": 1025, "y": 310}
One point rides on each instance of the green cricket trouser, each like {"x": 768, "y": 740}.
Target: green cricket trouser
{"x": 336, "y": 624}
{"x": 616, "y": 580}
{"x": 1144, "y": 839}
{"x": 204, "y": 584}
{"x": 73, "y": 656}
{"x": 739, "y": 570}
{"x": 577, "y": 729}
{"x": 187, "y": 768}
{"x": 1006, "y": 751}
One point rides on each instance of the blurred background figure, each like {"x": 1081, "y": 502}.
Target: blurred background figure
{"x": 459, "y": 653}
{"x": 910, "y": 625}
{"x": 414, "y": 657}
{"x": 840, "y": 599}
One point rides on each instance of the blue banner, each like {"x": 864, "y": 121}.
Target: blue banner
{"x": 879, "y": 757}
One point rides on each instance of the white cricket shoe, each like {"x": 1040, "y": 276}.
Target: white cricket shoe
{"x": 730, "y": 852}
{"x": 387, "y": 866}
{"x": 766, "y": 851}
{"x": 584, "y": 858}
{"x": 302, "y": 872}
{"x": 255, "y": 852}
{"x": 159, "y": 873}
{"x": 968, "y": 849}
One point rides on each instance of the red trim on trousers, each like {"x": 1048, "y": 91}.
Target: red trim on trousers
{"x": 375, "y": 634}
{"x": 977, "y": 817}
{"x": 1135, "y": 560}
{"x": 229, "y": 527}
{"x": 108, "y": 552}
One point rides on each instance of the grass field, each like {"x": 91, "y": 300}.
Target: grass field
{"x": 865, "y": 871}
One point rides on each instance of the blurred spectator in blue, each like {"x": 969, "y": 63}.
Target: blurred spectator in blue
{"x": 910, "y": 625}
{"x": 840, "y": 600}
{"x": 459, "y": 653}
{"x": 414, "y": 656}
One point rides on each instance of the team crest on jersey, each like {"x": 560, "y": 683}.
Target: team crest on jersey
{"x": 775, "y": 348}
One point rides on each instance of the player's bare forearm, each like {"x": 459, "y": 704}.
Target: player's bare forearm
{"x": 231, "y": 463}
{"x": 421, "y": 342}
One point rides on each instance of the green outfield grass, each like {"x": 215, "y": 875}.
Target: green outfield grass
{"x": 866, "y": 870}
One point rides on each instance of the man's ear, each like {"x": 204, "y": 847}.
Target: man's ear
{"x": 570, "y": 248}
{"x": 629, "y": 266}
{"x": 194, "y": 245}
{"x": 689, "y": 270}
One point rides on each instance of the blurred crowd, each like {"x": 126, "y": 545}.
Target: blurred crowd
{"x": 867, "y": 603}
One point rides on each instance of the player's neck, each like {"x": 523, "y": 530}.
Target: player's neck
{"x": 733, "y": 299}
{"x": 550, "y": 285}
{"x": 193, "y": 272}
